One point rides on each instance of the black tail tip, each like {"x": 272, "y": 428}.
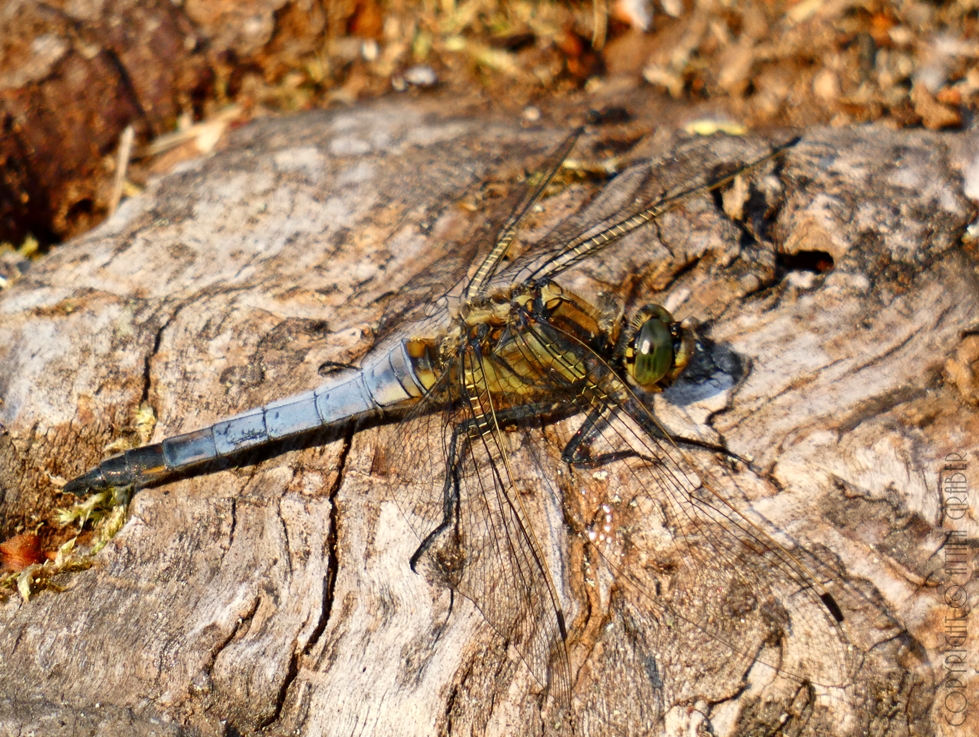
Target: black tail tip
{"x": 82, "y": 485}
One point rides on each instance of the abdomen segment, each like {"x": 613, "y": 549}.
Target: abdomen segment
{"x": 384, "y": 383}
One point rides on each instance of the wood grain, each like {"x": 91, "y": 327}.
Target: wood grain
{"x": 277, "y": 596}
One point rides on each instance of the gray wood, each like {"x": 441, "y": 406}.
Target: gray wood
{"x": 278, "y": 596}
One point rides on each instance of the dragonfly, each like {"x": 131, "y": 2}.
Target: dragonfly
{"x": 504, "y": 354}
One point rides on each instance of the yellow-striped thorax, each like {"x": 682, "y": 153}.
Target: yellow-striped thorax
{"x": 651, "y": 350}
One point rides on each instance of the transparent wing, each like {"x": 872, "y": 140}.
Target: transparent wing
{"x": 523, "y": 200}
{"x": 672, "y": 532}
{"x": 455, "y": 490}
{"x": 638, "y": 196}
{"x": 489, "y": 243}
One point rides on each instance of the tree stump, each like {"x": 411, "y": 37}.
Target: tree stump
{"x": 836, "y": 301}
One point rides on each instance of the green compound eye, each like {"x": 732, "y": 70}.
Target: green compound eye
{"x": 653, "y": 352}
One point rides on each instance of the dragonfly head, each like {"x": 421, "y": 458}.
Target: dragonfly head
{"x": 657, "y": 348}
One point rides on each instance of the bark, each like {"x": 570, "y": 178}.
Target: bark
{"x": 72, "y": 78}
{"x": 837, "y": 305}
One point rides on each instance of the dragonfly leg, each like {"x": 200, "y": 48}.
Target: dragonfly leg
{"x": 450, "y": 488}
{"x": 578, "y": 451}
{"x": 450, "y": 498}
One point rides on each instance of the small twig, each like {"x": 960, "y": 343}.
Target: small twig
{"x": 122, "y": 166}
{"x": 600, "y": 12}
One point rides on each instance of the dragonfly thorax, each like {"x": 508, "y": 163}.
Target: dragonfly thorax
{"x": 561, "y": 329}
{"x": 494, "y": 310}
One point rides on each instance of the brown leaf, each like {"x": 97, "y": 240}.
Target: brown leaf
{"x": 21, "y": 551}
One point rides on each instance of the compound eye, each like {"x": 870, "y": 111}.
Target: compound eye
{"x": 653, "y": 353}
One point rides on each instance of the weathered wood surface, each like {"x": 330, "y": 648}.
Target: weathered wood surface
{"x": 278, "y": 596}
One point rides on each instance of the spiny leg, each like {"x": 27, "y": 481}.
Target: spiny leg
{"x": 451, "y": 486}
{"x": 577, "y": 452}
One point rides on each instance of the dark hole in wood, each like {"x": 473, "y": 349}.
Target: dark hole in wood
{"x": 818, "y": 262}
